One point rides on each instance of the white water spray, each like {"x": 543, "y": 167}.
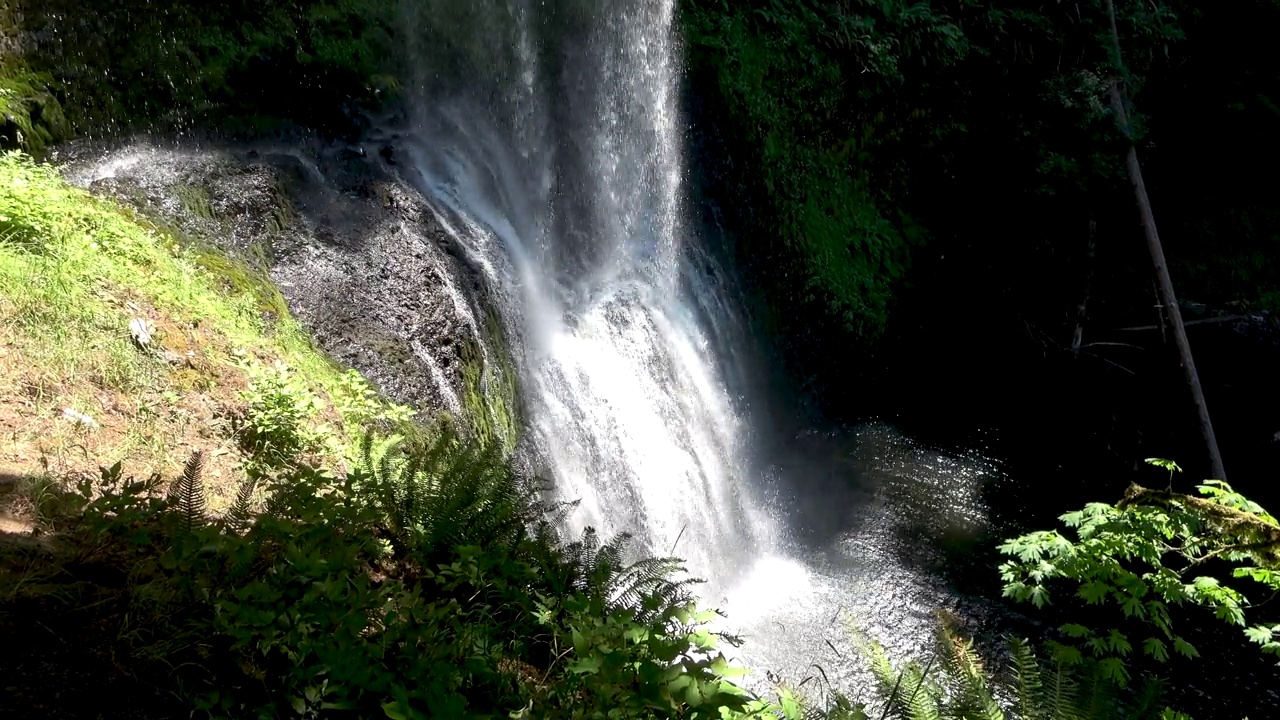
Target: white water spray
{"x": 559, "y": 164}
{"x": 567, "y": 189}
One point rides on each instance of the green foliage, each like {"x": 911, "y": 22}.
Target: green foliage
{"x": 66, "y": 257}
{"x": 490, "y": 398}
{"x": 1147, "y": 553}
{"x": 955, "y": 685}
{"x": 233, "y": 63}
{"x": 277, "y": 427}
{"x": 281, "y": 426}
{"x": 360, "y": 406}
{"x": 875, "y": 157}
{"x": 425, "y": 583}
{"x": 806, "y": 141}
{"x": 445, "y": 495}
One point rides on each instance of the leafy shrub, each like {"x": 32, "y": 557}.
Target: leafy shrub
{"x": 281, "y": 422}
{"x": 361, "y": 407}
{"x": 414, "y": 586}
{"x": 956, "y": 684}
{"x": 1146, "y": 553}
{"x": 277, "y": 427}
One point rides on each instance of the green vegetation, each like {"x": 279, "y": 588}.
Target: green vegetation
{"x": 237, "y": 66}
{"x": 107, "y": 316}
{"x": 344, "y": 562}
{"x": 320, "y": 555}
{"x": 332, "y": 566}
{"x": 271, "y": 580}
{"x": 431, "y": 585}
{"x": 837, "y": 234}
{"x": 884, "y": 159}
{"x": 413, "y": 587}
{"x": 956, "y": 684}
{"x": 490, "y": 398}
{"x": 1154, "y": 549}
{"x": 424, "y": 586}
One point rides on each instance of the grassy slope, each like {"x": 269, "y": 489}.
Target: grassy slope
{"x": 75, "y": 271}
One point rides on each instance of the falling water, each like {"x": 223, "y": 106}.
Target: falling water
{"x": 550, "y": 138}
{"x": 545, "y": 136}
{"x": 564, "y": 181}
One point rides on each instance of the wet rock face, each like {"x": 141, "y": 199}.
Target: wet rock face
{"x": 359, "y": 256}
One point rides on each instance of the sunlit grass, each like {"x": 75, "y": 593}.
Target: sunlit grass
{"x": 75, "y": 271}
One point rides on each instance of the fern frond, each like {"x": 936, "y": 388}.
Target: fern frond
{"x": 186, "y": 492}
{"x": 919, "y": 697}
{"x": 907, "y": 693}
{"x": 1103, "y": 701}
{"x": 1062, "y": 694}
{"x": 1025, "y": 684}
{"x": 888, "y": 679}
{"x": 649, "y": 586}
{"x": 445, "y": 494}
{"x": 240, "y": 515}
{"x": 969, "y": 688}
{"x": 1147, "y": 704}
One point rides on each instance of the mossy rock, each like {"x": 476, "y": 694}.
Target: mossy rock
{"x": 195, "y": 201}
{"x": 237, "y": 276}
{"x": 31, "y": 118}
{"x": 490, "y": 392}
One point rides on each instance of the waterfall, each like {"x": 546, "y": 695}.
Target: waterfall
{"x": 559, "y": 165}
{"x": 546, "y": 138}
{"x": 549, "y": 137}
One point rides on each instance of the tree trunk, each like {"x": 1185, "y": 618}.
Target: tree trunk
{"x": 1162, "y": 318}
{"x": 1165, "y": 284}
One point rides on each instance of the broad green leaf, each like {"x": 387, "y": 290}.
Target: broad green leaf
{"x": 1155, "y": 647}
{"x": 1094, "y": 592}
{"x": 1119, "y": 643}
{"x": 1075, "y": 631}
{"x": 393, "y": 711}
{"x": 1259, "y": 634}
{"x": 1184, "y": 648}
{"x": 1133, "y": 607}
{"x": 1114, "y": 670}
{"x": 589, "y": 665}
{"x": 1169, "y": 465}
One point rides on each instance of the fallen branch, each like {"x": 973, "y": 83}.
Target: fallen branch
{"x": 1189, "y": 323}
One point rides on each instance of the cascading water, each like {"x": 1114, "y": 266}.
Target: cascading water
{"x": 546, "y": 140}
{"x": 549, "y": 137}
{"x": 565, "y": 183}
{"x": 545, "y": 137}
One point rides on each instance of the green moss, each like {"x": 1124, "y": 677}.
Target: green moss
{"x": 242, "y": 67}
{"x": 195, "y": 200}
{"x": 490, "y": 394}
{"x": 282, "y": 212}
{"x": 826, "y": 240}
{"x": 31, "y": 118}
{"x": 239, "y": 278}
